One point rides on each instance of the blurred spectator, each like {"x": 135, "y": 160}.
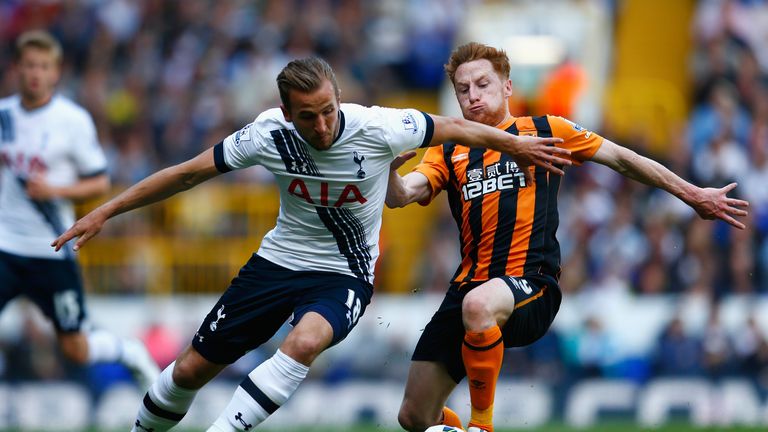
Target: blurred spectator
{"x": 678, "y": 353}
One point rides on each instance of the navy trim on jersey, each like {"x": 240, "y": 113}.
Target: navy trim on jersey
{"x": 93, "y": 174}
{"x": 429, "y": 132}
{"x": 295, "y": 156}
{"x": 152, "y": 407}
{"x": 259, "y": 396}
{"x": 350, "y": 239}
{"x": 342, "y": 123}
{"x": 48, "y": 210}
{"x": 6, "y": 126}
{"x": 218, "y": 158}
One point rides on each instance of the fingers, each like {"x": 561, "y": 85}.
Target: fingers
{"x": 61, "y": 241}
{"x": 69, "y": 235}
{"x": 401, "y": 159}
{"x": 549, "y": 167}
{"x": 729, "y": 187}
{"x": 551, "y": 141}
{"x": 733, "y": 222}
{"x": 733, "y": 202}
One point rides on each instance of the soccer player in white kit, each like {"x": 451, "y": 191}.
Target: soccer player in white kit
{"x": 49, "y": 157}
{"x": 331, "y": 164}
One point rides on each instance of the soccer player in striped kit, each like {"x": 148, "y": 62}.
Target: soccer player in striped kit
{"x": 315, "y": 267}
{"x": 50, "y": 157}
{"x": 505, "y": 292}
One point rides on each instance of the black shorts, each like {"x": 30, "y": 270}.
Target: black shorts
{"x": 263, "y": 297}
{"x": 537, "y": 300}
{"x": 55, "y": 286}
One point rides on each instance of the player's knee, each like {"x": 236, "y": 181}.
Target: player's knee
{"x": 74, "y": 348}
{"x": 190, "y": 374}
{"x": 411, "y": 419}
{"x": 75, "y": 353}
{"x": 304, "y": 347}
{"x": 476, "y": 311}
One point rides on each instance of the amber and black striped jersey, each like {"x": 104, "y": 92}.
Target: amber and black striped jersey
{"x": 507, "y": 227}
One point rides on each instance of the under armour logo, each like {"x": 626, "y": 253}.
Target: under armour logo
{"x": 140, "y": 426}
{"x": 239, "y": 417}
{"x": 299, "y": 167}
{"x": 220, "y": 314}
{"x": 358, "y": 158}
{"x": 477, "y": 384}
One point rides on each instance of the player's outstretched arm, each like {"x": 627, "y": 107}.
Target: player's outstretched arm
{"x": 709, "y": 203}
{"x": 156, "y": 187}
{"x": 524, "y": 150}
{"x": 407, "y": 189}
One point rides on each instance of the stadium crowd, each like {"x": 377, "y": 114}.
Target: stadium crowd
{"x": 164, "y": 79}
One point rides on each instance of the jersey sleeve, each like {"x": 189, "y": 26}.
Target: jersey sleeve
{"x": 433, "y": 167}
{"x": 239, "y": 150}
{"x": 86, "y": 151}
{"x": 582, "y": 143}
{"x": 406, "y": 129}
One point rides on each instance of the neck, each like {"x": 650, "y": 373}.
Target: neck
{"x": 506, "y": 117}
{"x": 30, "y": 104}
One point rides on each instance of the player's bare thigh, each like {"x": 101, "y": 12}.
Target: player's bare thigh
{"x": 426, "y": 393}
{"x": 487, "y": 305}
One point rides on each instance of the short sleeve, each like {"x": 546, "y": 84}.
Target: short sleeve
{"x": 406, "y": 129}
{"x": 239, "y": 150}
{"x": 433, "y": 167}
{"x": 87, "y": 152}
{"x": 582, "y": 143}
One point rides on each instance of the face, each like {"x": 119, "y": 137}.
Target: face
{"x": 481, "y": 92}
{"x": 315, "y": 115}
{"x": 38, "y": 71}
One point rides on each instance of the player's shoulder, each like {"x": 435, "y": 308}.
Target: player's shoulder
{"x": 377, "y": 117}
{"x": 9, "y": 101}
{"x": 63, "y": 106}
{"x": 268, "y": 121}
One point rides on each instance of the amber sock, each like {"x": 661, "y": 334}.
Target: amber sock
{"x": 483, "y": 353}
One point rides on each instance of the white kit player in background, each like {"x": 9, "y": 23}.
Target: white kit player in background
{"x": 331, "y": 165}
{"x": 49, "y": 157}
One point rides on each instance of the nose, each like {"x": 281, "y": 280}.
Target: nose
{"x": 474, "y": 95}
{"x": 320, "y": 125}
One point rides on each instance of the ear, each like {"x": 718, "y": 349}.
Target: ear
{"x": 286, "y": 113}
{"x": 508, "y": 88}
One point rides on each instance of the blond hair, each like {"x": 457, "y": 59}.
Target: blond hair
{"x": 38, "y": 39}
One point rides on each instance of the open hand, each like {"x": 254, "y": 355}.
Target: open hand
{"x": 713, "y": 203}
{"x": 85, "y": 228}
{"x": 541, "y": 152}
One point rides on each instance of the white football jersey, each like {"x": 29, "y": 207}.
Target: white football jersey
{"x": 331, "y": 201}
{"x": 58, "y": 141}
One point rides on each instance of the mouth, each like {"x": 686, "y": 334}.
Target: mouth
{"x": 476, "y": 109}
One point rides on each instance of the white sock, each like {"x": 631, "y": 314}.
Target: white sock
{"x": 261, "y": 393}
{"x": 103, "y": 346}
{"x": 164, "y": 405}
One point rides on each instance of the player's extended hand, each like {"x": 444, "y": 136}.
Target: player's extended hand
{"x": 85, "y": 228}
{"x": 714, "y": 203}
{"x": 543, "y": 152}
{"x": 401, "y": 159}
